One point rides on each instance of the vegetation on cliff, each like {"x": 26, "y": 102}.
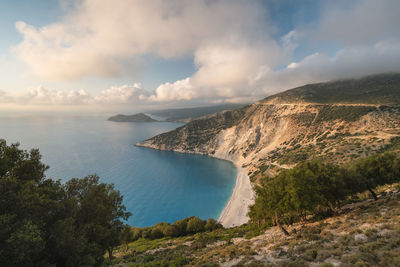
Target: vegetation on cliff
{"x": 280, "y": 133}
{"x": 374, "y": 89}
{"x": 314, "y": 214}
{"x": 197, "y": 132}
{"x": 318, "y": 189}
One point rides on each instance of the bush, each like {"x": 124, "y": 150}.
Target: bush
{"x": 156, "y": 233}
{"x": 195, "y": 225}
{"x": 170, "y": 231}
{"x": 212, "y": 225}
{"x": 181, "y": 226}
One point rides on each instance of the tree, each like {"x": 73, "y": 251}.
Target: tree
{"x": 312, "y": 187}
{"x": 376, "y": 170}
{"x": 181, "y": 226}
{"x": 126, "y": 235}
{"x": 98, "y": 214}
{"x": 156, "y": 233}
{"x": 212, "y": 225}
{"x": 170, "y": 231}
{"x": 195, "y": 225}
{"x": 28, "y": 204}
{"x": 296, "y": 193}
{"x": 43, "y": 222}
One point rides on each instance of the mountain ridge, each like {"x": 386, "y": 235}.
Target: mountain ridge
{"x": 373, "y": 89}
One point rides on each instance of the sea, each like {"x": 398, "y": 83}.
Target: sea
{"x": 157, "y": 186}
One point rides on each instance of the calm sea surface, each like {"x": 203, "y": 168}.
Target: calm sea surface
{"x": 156, "y": 185}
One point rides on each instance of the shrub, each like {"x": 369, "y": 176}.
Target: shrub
{"x": 170, "y": 231}
{"x": 156, "y": 233}
{"x": 181, "y": 226}
{"x": 195, "y": 225}
{"x": 212, "y": 225}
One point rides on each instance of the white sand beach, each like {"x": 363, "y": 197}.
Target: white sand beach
{"x": 235, "y": 211}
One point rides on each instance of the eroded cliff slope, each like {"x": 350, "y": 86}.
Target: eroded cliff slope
{"x": 286, "y": 132}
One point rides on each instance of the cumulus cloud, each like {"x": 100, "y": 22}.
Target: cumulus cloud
{"x": 126, "y": 94}
{"x": 98, "y": 36}
{"x": 40, "y": 95}
{"x": 230, "y": 40}
{"x": 224, "y": 72}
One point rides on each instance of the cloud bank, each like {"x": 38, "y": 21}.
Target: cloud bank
{"x": 231, "y": 42}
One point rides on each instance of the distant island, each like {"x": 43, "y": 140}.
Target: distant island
{"x": 177, "y": 115}
{"x": 189, "y": 114}
{"x": 139, "y": 117}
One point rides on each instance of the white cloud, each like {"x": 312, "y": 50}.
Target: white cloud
{"x": 99, "y": 36}
{"x": 125, "y": 94}
{"x": 230, "y": 41}
{"x": 347, "y": 63}
{"x": 177, "y": 91}
{"x": 41, "y": 96}
{"x": 224, "y": 72}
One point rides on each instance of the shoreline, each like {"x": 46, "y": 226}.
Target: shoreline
{"x": 235, "y": 210}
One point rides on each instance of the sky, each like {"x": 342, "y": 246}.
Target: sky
{"x": 134, "y": 55}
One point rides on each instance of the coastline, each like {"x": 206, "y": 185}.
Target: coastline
{"x": 235, "y": 210}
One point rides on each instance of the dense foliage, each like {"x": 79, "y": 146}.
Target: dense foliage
{"x": 187, "y": 226}
{"x": 317, "y": 189}
{"x": 346, "y": 113}
{"x": 44, "y": 222}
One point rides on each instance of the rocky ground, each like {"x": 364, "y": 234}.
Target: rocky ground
{"x": 363, "y": 233}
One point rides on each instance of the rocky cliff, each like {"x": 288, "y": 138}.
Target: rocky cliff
{"x": 286, "y": 132}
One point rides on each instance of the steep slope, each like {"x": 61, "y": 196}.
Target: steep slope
{"x": 361, "y": 234}
{"x": 271, "y": 131}
{"x": 374, "y": 89}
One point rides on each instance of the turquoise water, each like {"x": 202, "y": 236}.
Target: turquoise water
{"x": 156, "y": 185}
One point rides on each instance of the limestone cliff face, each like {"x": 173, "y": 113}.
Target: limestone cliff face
{"x": 339, "y": 120}
{"x": 266, "y": 132}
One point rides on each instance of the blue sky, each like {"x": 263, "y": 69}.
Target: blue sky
{"x": 73, "y": 53}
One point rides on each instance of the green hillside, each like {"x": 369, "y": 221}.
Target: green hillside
{"x": 374, "y": 89}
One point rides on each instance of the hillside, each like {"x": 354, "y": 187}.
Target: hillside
{"x": 283, "y": 134}
{"x": 140, "y": 117}
{"x": 274, "y": 134}
{"x": 188, "y": 114}
{"x": 366, "y": 233}
{"x": 375, "y": 89}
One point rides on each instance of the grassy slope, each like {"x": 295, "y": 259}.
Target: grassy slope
{"x": 364, "y": 232}
{"x": 374, "y": 89}
{"x": 363, "y": 235}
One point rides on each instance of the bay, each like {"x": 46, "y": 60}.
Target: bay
{"x": 158, "y": 186}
